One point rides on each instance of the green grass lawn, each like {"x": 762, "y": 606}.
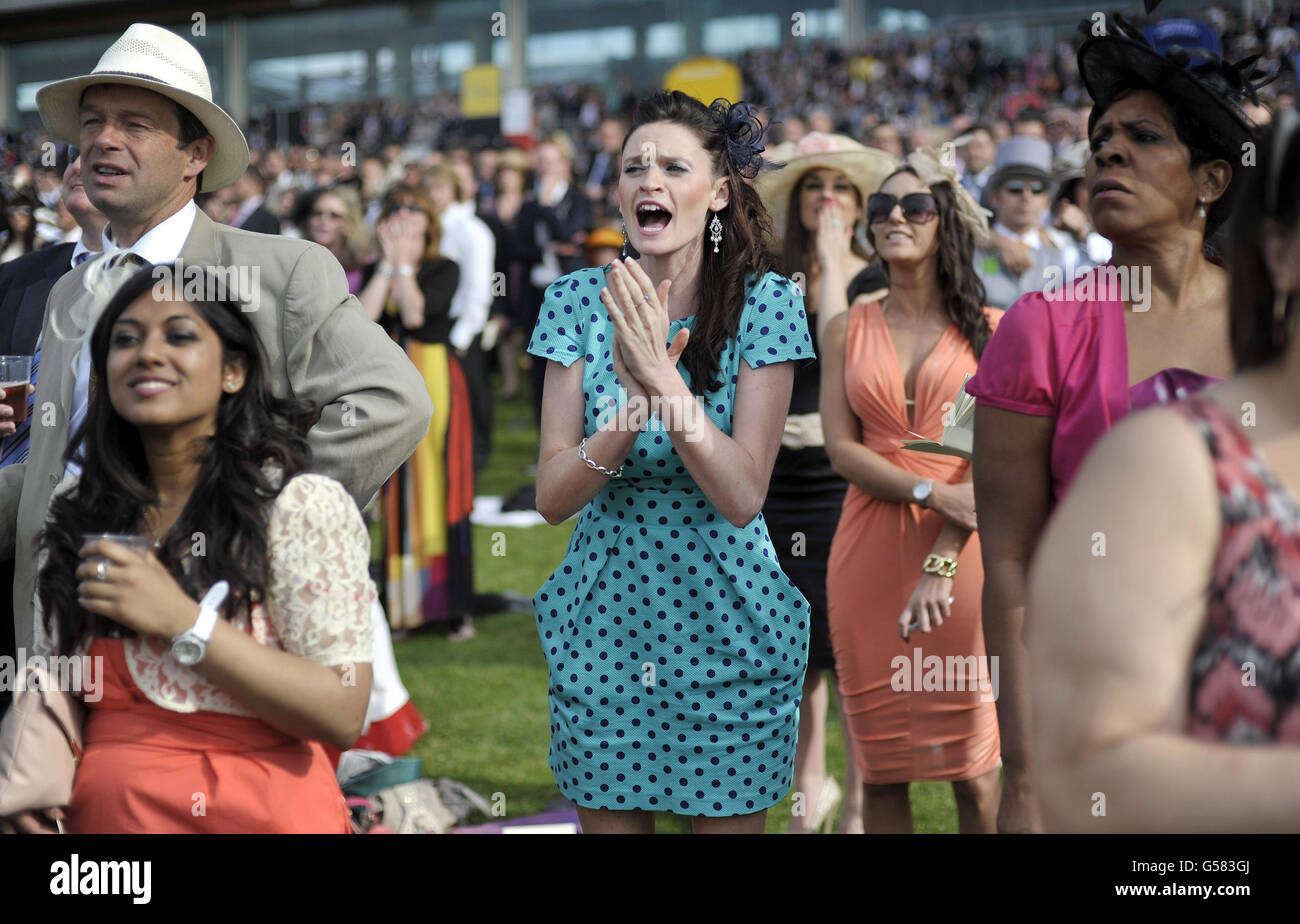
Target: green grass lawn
{"x": 486, "y": 697}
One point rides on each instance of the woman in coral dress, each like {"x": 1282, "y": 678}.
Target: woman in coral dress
{"x": 904, "y": 578}
{"x": 205, "y": 717}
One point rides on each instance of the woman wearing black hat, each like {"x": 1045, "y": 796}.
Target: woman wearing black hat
{"x": 1167, "y": 681}
{"x": 1067, "y": 363}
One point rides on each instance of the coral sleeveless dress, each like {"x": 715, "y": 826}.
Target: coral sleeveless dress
{"x": 903, "y": 728}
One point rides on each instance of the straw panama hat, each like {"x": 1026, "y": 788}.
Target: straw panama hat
{"x": 865, "y": 167}
{"x": 151, "y": 57}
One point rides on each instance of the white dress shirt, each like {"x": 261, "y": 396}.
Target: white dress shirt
{"x": 468, "y": 241}
{"x": 160, "y": 244}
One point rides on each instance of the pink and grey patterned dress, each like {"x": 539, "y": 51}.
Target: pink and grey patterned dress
{"x": 1246, "y": 667}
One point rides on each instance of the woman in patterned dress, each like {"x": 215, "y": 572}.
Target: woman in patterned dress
{"x": 184, "y": 441}
{"x": 425, "y": 506}
{"x": 676, "y": 646}
{"x": 1165, "y": 597}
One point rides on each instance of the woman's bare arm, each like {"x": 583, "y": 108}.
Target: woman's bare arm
{"x": 1112, "y": 637}
{"x": 1012, "y": 474}
{"x": 564, "y": 482}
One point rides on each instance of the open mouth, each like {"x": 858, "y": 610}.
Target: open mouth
{"x": 898, "y": 236}
{"x": 652, "y": 218}
{"x": 107, "y": 170}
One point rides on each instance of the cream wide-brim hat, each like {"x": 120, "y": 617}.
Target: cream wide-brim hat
{"x": 153, "y": 58}
{"x": 866, "y": 168}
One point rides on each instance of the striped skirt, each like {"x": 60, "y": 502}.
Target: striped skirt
{"x": 426, "y": 504}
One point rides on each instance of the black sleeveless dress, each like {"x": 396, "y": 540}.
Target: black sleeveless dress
{"x": 805, "y": 496}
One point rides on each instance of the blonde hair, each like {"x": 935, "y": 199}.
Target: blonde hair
{"x": 446, "y": 173}
{"x": 356, "y": 239}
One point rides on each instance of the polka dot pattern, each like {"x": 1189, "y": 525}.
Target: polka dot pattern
{"x": 676, "y": 646}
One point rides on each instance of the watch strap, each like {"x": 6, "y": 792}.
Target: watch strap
{"x": 209, "y": 610}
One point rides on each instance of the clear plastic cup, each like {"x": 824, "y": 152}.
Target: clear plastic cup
{"x": 136, "y": 543}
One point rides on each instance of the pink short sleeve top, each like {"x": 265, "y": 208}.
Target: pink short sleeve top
{"x": 1066, "y": 357}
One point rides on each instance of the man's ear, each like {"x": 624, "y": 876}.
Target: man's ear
{"x": 200, "y": 153}
{"x": 721, "y": 195}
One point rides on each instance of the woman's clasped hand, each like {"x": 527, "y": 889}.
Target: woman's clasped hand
{"x": 639, "y": 314}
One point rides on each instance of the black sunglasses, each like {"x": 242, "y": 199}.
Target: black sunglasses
{"x": 1016, "y": 187}
{"x": 918, "y": 207}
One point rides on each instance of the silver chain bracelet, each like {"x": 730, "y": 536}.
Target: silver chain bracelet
{"x": 582, "y": 454}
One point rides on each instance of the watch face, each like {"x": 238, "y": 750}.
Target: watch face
{"x": 187, "y": 650}
{"x": 922, "y": 490}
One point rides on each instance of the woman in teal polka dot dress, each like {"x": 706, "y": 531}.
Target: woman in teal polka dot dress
{"x": 675, "y": 643}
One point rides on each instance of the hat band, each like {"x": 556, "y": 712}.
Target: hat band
{"x": 151, "y": 79}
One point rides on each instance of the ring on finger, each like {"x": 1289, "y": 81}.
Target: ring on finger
{"x": 101, "y": 571}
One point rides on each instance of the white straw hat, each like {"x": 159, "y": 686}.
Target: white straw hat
{"x": 865, "y": 167}
{"x": 151, "y": 57}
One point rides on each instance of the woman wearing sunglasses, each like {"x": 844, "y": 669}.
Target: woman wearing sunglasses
{"x": 334, "y": 220}
{"x": 816, "y": 203}
{"x": 1149, "y": 327}
{"x": 904, "y": 557}
{"x": 425, "y": 506}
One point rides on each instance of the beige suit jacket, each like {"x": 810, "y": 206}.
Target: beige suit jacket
{"x": 319, "y": 344}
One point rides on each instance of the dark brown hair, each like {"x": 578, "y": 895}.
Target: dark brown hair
{"x": 1256, "y": 335}
{"x": 798, "y": 252}
{"x": 962, "y": 288}
{"x": 747, "y": 239}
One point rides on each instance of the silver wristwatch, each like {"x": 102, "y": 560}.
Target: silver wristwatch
{"x": 922, "y": 490}
{"x": 191, "y": 645}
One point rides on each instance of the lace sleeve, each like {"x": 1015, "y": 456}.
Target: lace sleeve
{"x": 321, "y": 595}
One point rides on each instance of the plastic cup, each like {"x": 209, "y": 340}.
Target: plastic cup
{"x": 136, "y": 543}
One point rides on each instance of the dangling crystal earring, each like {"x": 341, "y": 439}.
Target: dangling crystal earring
{"x": 715, "y": 232}
{"x": 623, "y": 226}
{"x": 1200, "y": 207}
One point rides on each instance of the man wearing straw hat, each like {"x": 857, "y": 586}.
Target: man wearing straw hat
{"x": 151, "y": 138}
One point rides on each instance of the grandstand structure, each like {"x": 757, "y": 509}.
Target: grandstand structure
{"x": 270, "y": 54}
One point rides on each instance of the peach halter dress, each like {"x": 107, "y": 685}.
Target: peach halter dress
{"x": 911, "y": 717}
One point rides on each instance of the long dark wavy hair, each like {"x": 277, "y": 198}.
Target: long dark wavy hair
{"x": 1258, "y": 337}
{"x": 748, "y": 242}
{"x": 230, "y": 504}
{"x": 963, "y": 290}
{"x": 799, "y": 252}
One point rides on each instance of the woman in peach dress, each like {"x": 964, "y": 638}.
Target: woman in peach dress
{"x": 185, "y": 443}
{"x": 920, "y": 706}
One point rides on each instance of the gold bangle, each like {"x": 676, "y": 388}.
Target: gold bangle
{"x": 938, "y": 564}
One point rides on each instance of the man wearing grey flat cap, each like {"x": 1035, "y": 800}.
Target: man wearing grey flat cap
{"x": 151, "y": 137}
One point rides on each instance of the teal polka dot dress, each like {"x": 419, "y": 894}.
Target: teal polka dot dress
{"x": 676, "y": 646}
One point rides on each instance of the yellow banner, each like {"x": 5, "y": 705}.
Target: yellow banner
{"x": 706, "y": 79}
{"x": 480, "y": 91}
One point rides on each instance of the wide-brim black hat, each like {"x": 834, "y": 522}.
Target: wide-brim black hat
{"x": 1195, "y": 80}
